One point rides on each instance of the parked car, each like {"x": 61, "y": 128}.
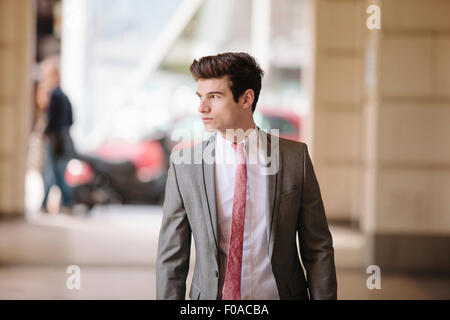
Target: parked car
{"x": 120, "y": 172}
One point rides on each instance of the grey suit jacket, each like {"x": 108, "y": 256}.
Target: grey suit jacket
{"x": 294, "y": 207}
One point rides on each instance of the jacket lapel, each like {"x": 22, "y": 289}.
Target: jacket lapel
{"x": 273, "y": 183}
{"x": 210, "y": 192}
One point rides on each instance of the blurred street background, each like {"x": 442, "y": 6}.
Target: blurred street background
{"x": 372, "y": 101}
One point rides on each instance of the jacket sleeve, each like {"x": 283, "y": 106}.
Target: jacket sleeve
{"x": 172, "y": 263}
{"x": 316, "y": 243}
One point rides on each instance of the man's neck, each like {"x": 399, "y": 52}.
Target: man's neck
{"x": 234, "y": 133}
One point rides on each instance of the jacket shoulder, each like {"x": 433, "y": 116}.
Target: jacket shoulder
{"x": 187, "y": 152}
{"x": 289, "y": 146}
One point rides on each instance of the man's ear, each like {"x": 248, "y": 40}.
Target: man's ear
{"x": 247, "y": 98}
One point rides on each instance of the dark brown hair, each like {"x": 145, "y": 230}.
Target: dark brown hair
{"x": 241, "y": 68}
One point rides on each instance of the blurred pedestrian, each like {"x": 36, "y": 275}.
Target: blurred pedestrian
{"x": 59, "y": 147}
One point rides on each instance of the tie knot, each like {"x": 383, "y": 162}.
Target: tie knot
{"x": 239, "y": 147}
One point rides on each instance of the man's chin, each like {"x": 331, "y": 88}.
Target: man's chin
{"x": 210, "y": 129}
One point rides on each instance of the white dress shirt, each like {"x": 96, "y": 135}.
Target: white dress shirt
{"x": 257, "y": 280}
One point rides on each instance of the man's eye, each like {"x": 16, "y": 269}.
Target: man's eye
{"x": 214, "y": 96}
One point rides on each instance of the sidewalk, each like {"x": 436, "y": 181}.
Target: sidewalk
{"x": 115, "y": 247}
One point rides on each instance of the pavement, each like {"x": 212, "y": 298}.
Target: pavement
{"x": 115, "y": 250}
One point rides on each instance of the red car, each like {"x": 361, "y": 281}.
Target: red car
{"x": 120, "y": 172}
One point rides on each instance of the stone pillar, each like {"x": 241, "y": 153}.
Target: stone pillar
{"x": 17, "y": 25}
{"x": 337, "y": 105}
{"x": 406, "y": 121}
{"x": 381, "y": 127}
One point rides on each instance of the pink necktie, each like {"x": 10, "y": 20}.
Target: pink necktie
{"x": 232, "y": 285}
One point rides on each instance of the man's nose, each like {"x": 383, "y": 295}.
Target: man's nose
{"x": 203, "y": 107}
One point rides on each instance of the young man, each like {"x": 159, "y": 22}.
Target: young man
{"x": 244, "y": 222}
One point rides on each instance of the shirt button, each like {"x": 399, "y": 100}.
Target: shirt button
{"x": 216, "y": 273}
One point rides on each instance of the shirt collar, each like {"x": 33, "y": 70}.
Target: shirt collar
{"x": 225, "y": 152}
{"x": 229, "y": 145}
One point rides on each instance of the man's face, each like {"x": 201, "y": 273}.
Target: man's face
{"x": 217, "y": 107}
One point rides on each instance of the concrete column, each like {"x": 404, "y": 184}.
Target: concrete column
{"x": 337, "y": 104}
{"x": 407, "y": 137}
{"x": 17, "y": 25}
{"x": 382, "y": 127}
